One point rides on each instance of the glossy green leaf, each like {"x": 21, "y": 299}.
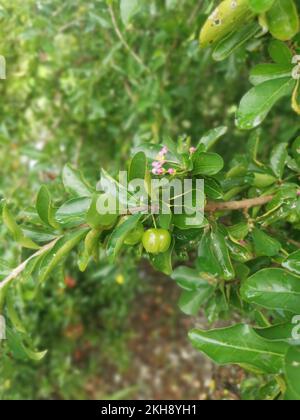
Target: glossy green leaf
{"x": 61, "y": 250}
{"x": 220, "y": 250}
{"x": 213, "y": 189}
{"x": 273, "y": 288}
{"x": 163, "y": 262}
{"x": 73, "y": 212}
{"x": 207, "y": 163}
{"x": 118, "y": 236}
{"x": 292, "y": 371}
{"x": 260, "y": 6}
{"x": 45, "y": 207}
{"x": 187, "y": 222}
{"x": 283, "y": 20}
{"x": 239, "y": 231}
{"x": 96, "y": 220}
{"x": 292, "y": 263}
{"x": 235, "y": 40}
{"x": 211, "y": 137}
{"x": 189, "y": 279}
{"x": 138, "y": 167}
{"x": 190, "y": 302}
{"x": 16, "y": 231}
{"x": 74, "y": 182}
{"x": 278, "y": 159}
{"x": 280, "y": 332}
{"x": 258, "y": 102}
{"x": 265, "y": 245}
{"x": 265, "y": 72}
{"x": 207, "y": 261}
{"x": 240, "y": 345}
{"x": 227, "y": 17}
{"x": 280, "y": 52}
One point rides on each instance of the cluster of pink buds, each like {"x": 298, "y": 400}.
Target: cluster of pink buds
{"x": 158, "y": 164}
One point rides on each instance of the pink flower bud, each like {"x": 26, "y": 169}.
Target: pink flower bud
{"x": 163, "y": 151}
{"x": 160, "y": 171}
{"x": 171, "y": 171}
{"x": 192, "y": 150}
{"x": 157, "y": 164}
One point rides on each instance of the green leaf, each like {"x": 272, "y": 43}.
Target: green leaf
{"x": 19, "y": 349}
{"x": 207, "y": 163}
{"x": 260, "y": 6}
{"x": 90, "y": 248}
{"x": 190, "y": 280}
{"x": 280, "y": 332}
{"x": 74, "y": 182}
{"x": 273, "y": 288}
{"x": 207, "y": 261}
{"x": 128, "y": 9}
{"x": 96, "y": 220}
{"x": 16, "y": 231}
{"x": 235, "y": 40}
{"x": 292, "y": 371}
{"x": 190, "y": 302}
{"x": 280, "y": 52}
{"x": 138, "y": 167}
{"x": 163, "y": 262}
{"x": 61, "y": 250}
{"x": 239, "y": 231}
{"x": 279, "y": 157}
{"x": 296, "y": 150}
{"x": 220, "y": 250}
{"x": 265, "y": 72}
{"x": 211, "y": 137}
{"x": 187, "y": 222}
{"x": 45, "y": 208}
{"x": 292, "y": 263}
{"x": 240, "y": 345}
{"x": 213, "y": 189}
{"x": 265, "y": 245}
{"x": 119, "y": 234}
{"x": 226, "y": 18}
{"x": 283, "y": 20}
{"x": 258, "y": 102}
{"x": 73, "y": 212}
{"x": 13, "y": 314}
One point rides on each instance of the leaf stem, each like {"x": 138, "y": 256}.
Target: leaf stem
{"x": 123, "y": 40}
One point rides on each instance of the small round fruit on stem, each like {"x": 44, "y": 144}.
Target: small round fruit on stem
{"x": 156, "y": 241}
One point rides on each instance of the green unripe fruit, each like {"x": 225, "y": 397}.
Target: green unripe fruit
{"x": 135, "y": 236}
{"x": 157, "y": 241}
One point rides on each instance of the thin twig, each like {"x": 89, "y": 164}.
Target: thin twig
{"x": 238, "y": 205}
{"x": 123, "y": 40}
{"x": 18, "y": 270}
